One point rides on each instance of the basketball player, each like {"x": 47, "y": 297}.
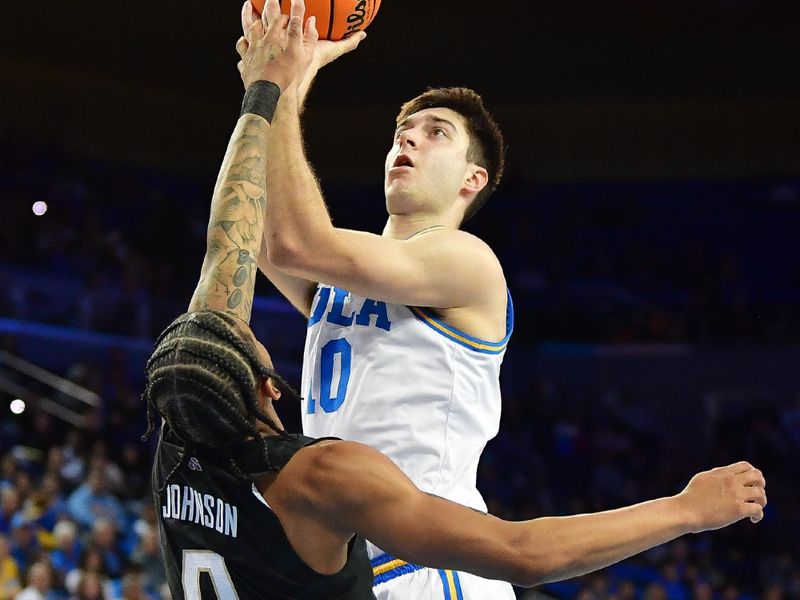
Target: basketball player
{"x": 407, "y": 330}
{"x": 247, "y": 511}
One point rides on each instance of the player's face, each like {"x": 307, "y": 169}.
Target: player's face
{"x": 427, "y": 166}
{"x": 267, "y": 392}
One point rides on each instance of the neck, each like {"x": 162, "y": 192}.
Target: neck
{"x": 401, "y": 227}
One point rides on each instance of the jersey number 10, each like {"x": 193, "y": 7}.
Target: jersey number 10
{"x": 335, "y": 351}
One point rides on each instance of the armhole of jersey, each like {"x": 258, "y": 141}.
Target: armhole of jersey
{"x": 261, "y": 498}
{"x": 431, "y": 319}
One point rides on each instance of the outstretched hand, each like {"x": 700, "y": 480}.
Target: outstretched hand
{"x": 274, "y": 46}
{"x": 317, "y": 53}
{"x": 724, "y": 495}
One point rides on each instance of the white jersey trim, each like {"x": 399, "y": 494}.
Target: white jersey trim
{"x": 464, "y": 339}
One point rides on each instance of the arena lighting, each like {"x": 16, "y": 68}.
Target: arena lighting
{"x": 39, "y": 208}
{"x": 17, "y": 406}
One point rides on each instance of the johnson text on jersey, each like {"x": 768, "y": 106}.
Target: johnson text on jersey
{"x": 187, "y": 504}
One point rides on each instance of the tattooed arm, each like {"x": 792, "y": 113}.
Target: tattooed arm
{"x": 236, "y": 226}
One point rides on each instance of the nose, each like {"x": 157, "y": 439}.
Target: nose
{"x": 406, "y": 138}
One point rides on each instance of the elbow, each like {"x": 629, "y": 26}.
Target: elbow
{"x": 538, "y": 564}
{"x": 286, "y": 251}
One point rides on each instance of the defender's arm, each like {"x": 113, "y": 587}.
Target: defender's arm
{"x": 236, "y": 226}
{"x": 360, "y": 490}
{"x": 273, "y": 55}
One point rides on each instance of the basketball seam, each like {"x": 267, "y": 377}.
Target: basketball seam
{"x": 330, "y": 21}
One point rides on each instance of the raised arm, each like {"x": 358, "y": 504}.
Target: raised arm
{"x": 236, "y": 226}
{"x": 357, "y": 489}
{"x": 233, "y": 238}
{"x": 443, "y": 269}
{"x": 298, "y": 290}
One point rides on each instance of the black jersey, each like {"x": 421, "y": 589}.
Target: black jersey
{"x": 222, "y": 541}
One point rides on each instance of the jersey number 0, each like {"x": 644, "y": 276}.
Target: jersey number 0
{"x": 335, "y": 353}
{"x": 205, "y": 561}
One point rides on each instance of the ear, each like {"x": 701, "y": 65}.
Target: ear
{"x": 476, "y": 179}
{"x": 272, "y": 392}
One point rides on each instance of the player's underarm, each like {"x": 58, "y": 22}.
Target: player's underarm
{"x": 475, "y": 510}
{"x": 236, "y": 226}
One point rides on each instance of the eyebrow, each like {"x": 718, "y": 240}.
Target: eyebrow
{"x": 432, "y": 118}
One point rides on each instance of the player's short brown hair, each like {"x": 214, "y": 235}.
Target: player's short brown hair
{"x": 486, "y": 147}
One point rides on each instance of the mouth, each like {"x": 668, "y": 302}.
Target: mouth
{"x": 403, "y": 160}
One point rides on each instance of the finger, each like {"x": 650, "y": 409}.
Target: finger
{"x": 757, "y": 496}
{"x": 249, "y": 15}
{"x": 754, "y": 478}
{"x": 242, "y": 46}
{"x": 255, "y": 32}
{"x": 272, "y": 12}
{"x": 295, "y": 29}
{"x": 351, "y": 42}
{"x": 756, "y": 513}
{"x": 741, "y": 467}
{"x": 277, "y": 28}
{"x": 311, "y": 35}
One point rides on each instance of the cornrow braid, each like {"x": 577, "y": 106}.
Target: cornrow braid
{"x": 202, "y": 379}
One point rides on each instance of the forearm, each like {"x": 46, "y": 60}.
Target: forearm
{"x": 236, "y": 225}
{"x": 296, "y": 217}
{"x": 575, "y": 545}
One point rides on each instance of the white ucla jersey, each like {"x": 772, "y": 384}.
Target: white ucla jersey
{"x": 398, "y": 379}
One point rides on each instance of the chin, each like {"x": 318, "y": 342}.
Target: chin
{"x": 400, "y": 199}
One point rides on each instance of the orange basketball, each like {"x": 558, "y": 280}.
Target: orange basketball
{"x": 336, "y": 19}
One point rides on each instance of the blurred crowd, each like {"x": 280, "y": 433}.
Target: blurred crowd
{"x": 565, "y": 449}
{"x": 119, "y": 250}
{"x": 76, "y": 517}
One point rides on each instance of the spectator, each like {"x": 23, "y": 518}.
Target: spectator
{"x": 91, "y": 562}
{"x": 132, "y": 588}
{"x": 67, "y": 553}
{"x": 46, "y": 504}
{"x": 40, "y": 582}
{"x": 9, "y": 571}
{"x": 10, "y": 504}
{"x": 92, "y": 501}
{"x": 25, "y": 547}
{"x": 90, "y": 587}
{"x": 113, "y": 475}
{"x": 149, "y": 558}
{"x": 104, "y": 539}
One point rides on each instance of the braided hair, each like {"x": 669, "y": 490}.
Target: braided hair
{"x": 202, "y": 379}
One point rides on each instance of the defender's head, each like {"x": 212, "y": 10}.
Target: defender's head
{"x": 212, "y": 381}
{"x": 448, "y": 154}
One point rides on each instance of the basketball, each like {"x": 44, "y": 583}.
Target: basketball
{"x": 336, "y": 19}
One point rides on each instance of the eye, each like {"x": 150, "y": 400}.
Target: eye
{"x": 439, "y": 131}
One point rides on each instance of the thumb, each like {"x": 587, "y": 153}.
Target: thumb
{"x": 351, "y": 42}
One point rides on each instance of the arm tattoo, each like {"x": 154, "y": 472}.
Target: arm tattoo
{"x": 236, "y": 226}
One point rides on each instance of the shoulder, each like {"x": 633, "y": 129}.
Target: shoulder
{"x": 462, "y": 247}
{"x": 328, "y": 476}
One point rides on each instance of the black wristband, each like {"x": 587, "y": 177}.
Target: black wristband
{"x": 261, "y": 99}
